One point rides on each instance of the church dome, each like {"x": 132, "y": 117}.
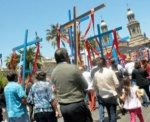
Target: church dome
{"x": 103, "y": 23}
{"x": 130, "y": 12}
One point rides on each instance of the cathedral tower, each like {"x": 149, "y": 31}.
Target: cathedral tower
{"x": 136, "y": 37}
{"x": 104, "y": 28}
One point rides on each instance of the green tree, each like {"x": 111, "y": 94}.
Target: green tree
{"x": 52, "y": 34}
{"x": 3, "y": 79}
{"x": 31, "y": 52}
{"x": 12, "y": 64}
{"x": 7, "y": 60}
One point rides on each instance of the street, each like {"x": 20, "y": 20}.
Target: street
{"x": 121, "y": 118}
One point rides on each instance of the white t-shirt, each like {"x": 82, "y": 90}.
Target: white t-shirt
{"x": 87, "y": 77}
{"x": 106, "y": 82}
{"x": 120, "y": 68}
{"x": 129, "y": 67}
{"x": 132, "y": 101}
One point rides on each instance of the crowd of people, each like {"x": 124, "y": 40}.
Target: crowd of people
{"x": 72, "y": 91}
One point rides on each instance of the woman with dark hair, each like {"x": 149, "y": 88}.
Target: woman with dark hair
{"x": 131, "y": 97}
{"x": 146, "y": 66}
{"x": 43, "y": 99}
{"x": 139, "y": 76}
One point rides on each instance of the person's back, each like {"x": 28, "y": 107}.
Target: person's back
{"x": 68, "y": 83}
{"x": 106, "y": 80}
{"x": 43, "y": 99}
{"x": 132, "y": 101}
{"x": 70, "y": 86}
{"x": 131, "y": 96}
{"x": 87, "y": 76}
{"x": 13, "y": 93}
{"x": 41, "y": 95}
{"x": 129, "y": 67}
{"x": 15, "y": 99}
{"x": 105, "y": 83}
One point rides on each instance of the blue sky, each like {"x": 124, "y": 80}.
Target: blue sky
{"x": 37, "y": 15}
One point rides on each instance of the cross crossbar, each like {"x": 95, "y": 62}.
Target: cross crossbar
{"x": 83, "y": 15}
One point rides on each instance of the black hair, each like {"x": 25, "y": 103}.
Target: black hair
{"x": 102, "y": 62}
{"x": 137, "y": 65}
{"x": 40, "y": 76}
{"x": 12, "y": 76}
{"x": 61, "y": 55}
{"x": 114, "y": 64}
{"x": 126, "y": 85}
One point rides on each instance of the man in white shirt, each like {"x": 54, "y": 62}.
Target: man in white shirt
{"x": 105, "y": 82}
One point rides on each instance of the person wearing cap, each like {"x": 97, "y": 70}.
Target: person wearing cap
{"x": 43, "y": 99}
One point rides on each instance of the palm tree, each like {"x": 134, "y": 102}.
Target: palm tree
{"x": 31, "y": 56}
{"x": 12, "y": 61}
{"x": 52, "y": 34}
{"x": 7, "y": 60}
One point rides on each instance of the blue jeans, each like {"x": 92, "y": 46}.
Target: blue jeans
{"x": 101, "y": 110}
{"x": 23, "y": 118}
{"x": 111, "y": 110}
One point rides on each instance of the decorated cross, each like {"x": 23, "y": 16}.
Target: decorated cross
{"x": 71, "y": 33}
{"x": 24, "y": 47}
{"x": 100, "y": 35}
{"x": 68, "y": 24}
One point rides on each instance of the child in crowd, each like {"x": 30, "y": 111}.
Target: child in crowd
{"x": 132, "y": 100}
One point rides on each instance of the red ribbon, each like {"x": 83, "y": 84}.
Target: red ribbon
{"x": 36, "y": 58}
{"x": 88, "y": 51}
{"x": 116, "y": 44}
{"x": 79, "y": 47}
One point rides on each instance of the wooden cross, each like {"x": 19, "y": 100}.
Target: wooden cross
{"x": 24, "y": 46}
{"x": 68, "y": 24}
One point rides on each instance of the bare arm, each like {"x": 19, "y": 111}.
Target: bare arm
{"x": 123, "y": 96}
{"x": 54, "y": 104}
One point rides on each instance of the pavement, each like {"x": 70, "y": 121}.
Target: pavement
{"x": 121, "y": 118}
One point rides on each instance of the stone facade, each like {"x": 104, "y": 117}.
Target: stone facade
{"x": 137, "y": 39}
{"x": 136, "y": 36}
{"x": 48, "y": 65}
